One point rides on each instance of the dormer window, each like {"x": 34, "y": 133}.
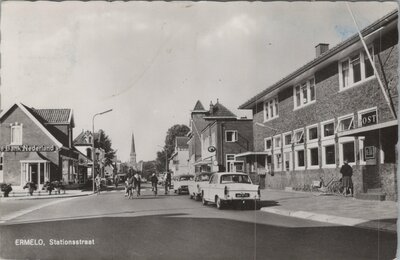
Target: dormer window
{"x": 16, "y": 134}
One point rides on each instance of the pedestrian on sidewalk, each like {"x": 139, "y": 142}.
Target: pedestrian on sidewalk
{"x": 347, "y": 172}
{"x": 116, "y": 181}
{"x": 130, "y": 186}
{"x": 154, "y": 181}
{"x": 98, "y": 183}
{"x": 137, "y": 181}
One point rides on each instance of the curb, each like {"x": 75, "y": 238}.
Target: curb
{"x": 344, "y": 221}
{"x": 45, "y": 197}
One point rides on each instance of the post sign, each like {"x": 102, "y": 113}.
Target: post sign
{"x": 370, "y": 118}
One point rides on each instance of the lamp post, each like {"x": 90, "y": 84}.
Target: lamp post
{"x": 93, "y": 151}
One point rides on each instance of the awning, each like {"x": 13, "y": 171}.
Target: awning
{"x": 245, "y": 154}
{"x": 361, "y": 130}
{"x": 204, "y": 162}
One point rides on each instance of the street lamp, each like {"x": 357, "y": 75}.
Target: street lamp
{"x": 93, "y": 151}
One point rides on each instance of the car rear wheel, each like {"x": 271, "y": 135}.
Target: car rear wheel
{"x": 219, "y": 203}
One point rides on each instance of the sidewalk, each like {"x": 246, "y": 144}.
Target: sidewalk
{"x": 45, "y": 195}
{"x": 381, "y": 215}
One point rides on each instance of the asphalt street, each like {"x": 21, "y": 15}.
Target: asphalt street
{"x": 175, "y": 227}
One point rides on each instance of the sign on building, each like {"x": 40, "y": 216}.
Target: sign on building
{"x": 370, "y": 118}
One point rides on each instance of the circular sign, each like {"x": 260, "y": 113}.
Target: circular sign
{"x": 215, "y": 163}
{"x": 211, "y": 149}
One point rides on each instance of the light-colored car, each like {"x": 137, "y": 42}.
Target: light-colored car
{"x": 181, "y": 183}
{"x": 196, "y": 186}
{"x": 229, "y": 187}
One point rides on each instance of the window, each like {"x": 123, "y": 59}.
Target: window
{"x": 313, "y": 156}
{"x": 299, "y": 159}
{"x": 354, "y": 69}
{"x": 298, "y": 137}
{"x": 287, "y": 160}
{"x": 267, "y": 144}
{"x": 345, "y": 123}
{"x": 16, "y": 134}
{"x": 230, "y": 157}
{"x": 312, "y": 133}
{"x": 277, "y": 142}
{"x": 347, "y": 150}
{"x": 287, "y": 139}
{"x": 328, "y": 129}
{"x": 231, "y": 136}
{"x": 367, "y": 117}
{"x": 328, "y": 155}
{"x": 304, "y": 93}
{"x": 278, "y": 162}
{"x": 271, "y": 109}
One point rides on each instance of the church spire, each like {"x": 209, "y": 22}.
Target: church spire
{"x": 133, "y": 150}
{"x": 132, "y": 160}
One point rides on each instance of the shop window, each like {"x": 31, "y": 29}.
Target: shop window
{"x": 345, "y": 123}
{"x": 304, "y": 93}
{"x": 299, "y": 159}
{"x": 16, "y": 134}
{"x": 278, "y": 162}
{"x": 267, "y": 144}
{"x": 271, "y": 110}
{"x": 354, "y": 69}
{"x": 313, "y": 161}
{"x": 347, "y": 150}
{"x": 231, "y": 136}
{"x": 277, "y": 142}
{"x": 287, "y": 160}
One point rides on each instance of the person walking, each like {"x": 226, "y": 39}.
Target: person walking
{"x": 130, "y": 187}
{"x": 137, "y": 182}
{"x": 98, "y": 184}
{"x": 347, "y": 172}
{"x": 154, "y": 181}
{"x": 116, "y": 181}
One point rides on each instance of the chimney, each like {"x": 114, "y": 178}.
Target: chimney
{"x": 211, "y": 108}
{"x": 321, "y": 48}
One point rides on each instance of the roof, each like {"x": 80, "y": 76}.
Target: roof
{"x": 329, "y": 53}
{"x": 198, "y": 107}
{"x": 81, "y": 138}
{"x": 181, "y": 141}
{"x": 219, "y": 111}
{"x": 54, "y": 116}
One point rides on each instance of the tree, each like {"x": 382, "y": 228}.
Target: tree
{"x": 103, "y": 141}
{"x": 169, "y": 146}
{"x": 148, "y": 169}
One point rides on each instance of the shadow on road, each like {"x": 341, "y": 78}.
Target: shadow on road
{"x": 163, "y": 237}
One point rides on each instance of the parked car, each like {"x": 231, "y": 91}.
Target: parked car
{"x": 195, "y": 186}
{"x": 229, "y": 187}
{"x": 180, "y": 183}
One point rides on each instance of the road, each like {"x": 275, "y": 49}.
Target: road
{"x": 175, "y": 227}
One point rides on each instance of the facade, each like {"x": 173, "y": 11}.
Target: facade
{"x": 332, "y": 109}
{"x": 179, "y": 161}
{"x": 36, "y": 145}
{"x": 216, "y": 137}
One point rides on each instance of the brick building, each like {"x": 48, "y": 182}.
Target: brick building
{"x": 216, "y": 136}
{"x": 333, "y": 108}
{"x": 36, "y": 145}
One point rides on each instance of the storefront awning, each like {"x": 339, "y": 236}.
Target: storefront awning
{"x": 245, "y": 154}
{"x": 362, "y": 130}
{"x": 204, "y": 162}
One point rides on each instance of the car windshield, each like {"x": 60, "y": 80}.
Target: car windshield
{"x": 185, "y": 178}
{"x": 235, "y": 178}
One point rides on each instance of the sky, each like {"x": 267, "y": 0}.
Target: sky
{"x": 151, "y": 61}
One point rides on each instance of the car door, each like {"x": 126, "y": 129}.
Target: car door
{"x": 207, "y": 188}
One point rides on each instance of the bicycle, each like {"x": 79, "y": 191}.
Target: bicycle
{"x": 333, "y": 187}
